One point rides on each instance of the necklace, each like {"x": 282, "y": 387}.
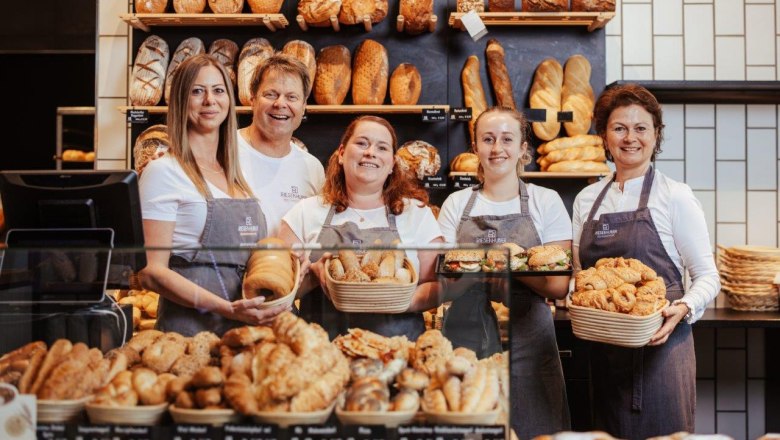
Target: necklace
{"x": 362, "y": 219}
{"x": 220, "y": 170}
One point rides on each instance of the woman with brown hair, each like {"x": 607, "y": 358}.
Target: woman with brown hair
{"x": 366, "y": 197}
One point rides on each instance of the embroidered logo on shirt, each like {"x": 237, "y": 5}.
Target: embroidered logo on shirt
{"x": 293, "y": 194}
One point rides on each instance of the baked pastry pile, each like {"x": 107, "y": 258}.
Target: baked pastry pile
{"x": 374, "y": 266}
{"x": 145, "y": 304}
{"x": 623, "y": 285}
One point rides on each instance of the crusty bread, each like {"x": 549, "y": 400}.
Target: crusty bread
{"x": 226, "y": 52}
{"x": 465, "y": 162}
{"x": 334, "y": 74}
{"x": 304, "y": 52}
{"x": 473, "y": 93}
{"x": 579, "y": 166}
{"x": 150, "y": 6}
{"x": 318, "y": 12}
{"x": 189, "y": 6}
{"x": 546, "y": 94}
{"x": 471, "y": 5}
{"x": 254, "y": 52}
{"x": 592, "y": 5}
{"x": 148, "y": 144}
{"x": 190, "y": 47}
{"x": 265, "y": 6}
{"x": 226, "y": 6}
{"x": 417, "y": 14}
{"x": 148, "y": 77}
{"x": 591, "y": 152}
{"x": 499, "y": 76}
{"x": 353, "y": 11}
{"x": 501, "y": 5}
{"x": 581, "y": 140}
{"x": 419, "y": 158}
{"x": 577, "y": 95}
{"x": 545, "y": 5}
{"x": 369, "y": 73}
{"x": 405, "y": 85}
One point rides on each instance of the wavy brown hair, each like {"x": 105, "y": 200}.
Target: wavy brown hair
{"x": 398, "y": 184}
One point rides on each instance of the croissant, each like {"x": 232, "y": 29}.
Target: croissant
{"x": 269, "y": 270}
{"x": 323, "y": 391}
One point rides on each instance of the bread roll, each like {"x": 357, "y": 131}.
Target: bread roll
{"x": 226, "y": 51}
{"x": 546, "y": 94}
{"x": 369, "y": 73}
{"x": 465, "y": 162}
{"x": 499, "y": 76}
{"x": 471, "y": 5}
{"x": 577, "y": 95}
{"x": 187, "y": 48}
{"x": 405, "y": 85}
{"x": 189, "y": 6}
{"x": 318, "y": 12}
{"x": 545, "y": 5}
{"x": 265, "y": 6}
{"x": 420, "y": 158}
{"x": 353, "y": 11}
{"x": 148, "y": 77}
{"x": 473, "y": 93}
{"x": 150, "y": 142}
{"x": 303, "y": 52}
{"x": 579, "y": 166}
{"x": 592, "y": 5}
{"x": 334, "y": 73}
{"x": 501, "y": 5}
{"x": 592, "y": 153}
{"x": 254, "y": 52}
{"x": 269, "y": 270}
{"x": 417, "y": 14}
{"x": 581, "y": 140}
{"x": 226, "y": 6}
{"x": 150, "y": 6}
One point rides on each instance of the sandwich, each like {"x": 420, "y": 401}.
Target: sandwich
{"x": 496, "y": 260}
{"x": 462, "y": 260}
{"x": 551, "y": 257}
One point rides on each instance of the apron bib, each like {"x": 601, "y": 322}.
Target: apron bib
{"x": 229, "y": 222}
{"x": 649, "y": 391}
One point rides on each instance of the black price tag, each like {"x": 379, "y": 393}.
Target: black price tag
{"x": 565, "y": 116}
{"x": 132, "y": 432}
{"x": 452, "y": 432}
{"x": 416, "y": 432}
{"x": 536, "y": 114}
{"x": 314, "y": 432}
{"x": 94, "y": 432}
{"x": 250, "y": 432}
{"x": 138, "y": 116}
{"x": 463, "y": 114}
{"x": 433, "y": 115}
{"x": 360, "y": 432}
{"x": 465, "y": 181}
{"x": 52, "y": 431}
{"x": 434, "y": 182}
{"x": 195, "y": 432}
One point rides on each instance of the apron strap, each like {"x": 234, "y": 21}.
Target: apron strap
{"x": 465, "y": 216}
{"x": 329, "y": 217}
{"x": 599, "y": 199}
{"x": 390, "y": 219}
{"x": 524, "y": 197}
{"x": 646, "y": 187}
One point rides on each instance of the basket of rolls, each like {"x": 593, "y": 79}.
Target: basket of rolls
{"x": 374, "y": 282}
{"x": 618, "y": 302}
{"x": 272, "y": 273}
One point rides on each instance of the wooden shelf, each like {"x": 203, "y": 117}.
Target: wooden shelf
{"x": 318, "y": 109}
{"x": 591, "y": 20}
{"x": 712, "y": 92}
{"x": 145, "y": 21}
{"x": 550, "y": 175}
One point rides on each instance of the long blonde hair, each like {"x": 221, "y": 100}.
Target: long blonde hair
{"x": 178, "y": 123}
{"x": 523, "y": 160}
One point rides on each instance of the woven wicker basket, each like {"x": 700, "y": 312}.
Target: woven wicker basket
{"x": 754, "y": 302}
{"x": 356, "y": 297}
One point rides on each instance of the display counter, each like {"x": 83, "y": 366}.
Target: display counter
{"x": 712, "y": 318}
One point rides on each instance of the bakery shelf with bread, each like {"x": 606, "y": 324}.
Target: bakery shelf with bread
{"x": 380, "y": 109}
{"x": 429, "y": 25}
{"x": 145, "y": 22}
{"x": 591, "y": 20}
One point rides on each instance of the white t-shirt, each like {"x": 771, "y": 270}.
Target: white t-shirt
{"x": 280, "y": 182}
{"x": 680, "y": 222}
{"x": 416, "y": 225}
{"x": 168, "y": 194}
{"x": 545, "y": 205}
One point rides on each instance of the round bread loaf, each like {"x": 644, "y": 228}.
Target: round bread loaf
{"x": 419, "y": 158}
{"x": 471, "y": 5}
{"x": 592, "y": 5}
{"x": 501, "y": 5}
{"x": 148, "y": 77}
{"x": 545, "y": 5}
{"x": 304, "y": 52}
{"x": 150, "y": 6}
{"x": 187, "y": 48}
{"x": 254, "y": 52}
{"x": 226, "y": 51}
{"x": 334, "y": 73}
{"x": 405, "y": 85}
{"x": 369, "y": 73}
{"x": 465, "y": 162}
{"x": 189, "y": 6}
{"x": 148, "y": 144}
{"x": 226, "y": 6}
{"x": 417, "y": 14}
{"x": 318, "y": 12}
{"x": 265, "y": 6}
{"x": 353, "y": 11}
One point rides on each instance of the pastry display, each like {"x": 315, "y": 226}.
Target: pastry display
{"x": 545, "y": 5}
{"x": 265, "y": 6}
{"x": 623, "y": 285}
{"x": 148, "y": 76}
{"x": 375, "y": 266}
{"x": 151, "y": 143}
{"x": 419, "y": 158}
{"x": 150, "y": 6}
{"x": 189, "y": 47}
{"x": 501, "y": 5}
{"x": 254, "y": 52}
{"x": 516, "y": 258}
{"x": 318, "y": 12}
{"x": 464, "y": 260}
{"x": 580, "y": 153}
{"x": 226, "y": 6}
{"x": 593, "y": 5}
{"x": 471, "y": 5}
{"x": 144, "y": 303}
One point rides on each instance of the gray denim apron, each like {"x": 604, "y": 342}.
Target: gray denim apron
{"x": 538, "y": 392}
{"x": 230, "y": 223}
{"x": 318, "y": 308}
{"x": 650, "y": 391}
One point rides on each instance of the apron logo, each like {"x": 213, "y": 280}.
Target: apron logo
{"x": 492, "y": 237}
{"x": 605, "y": 232}
{"x": 293, "y": 194}
{"x": 248, "y": 221}
{"x": 357, "y": 242}
{"x": 248, "y": 228}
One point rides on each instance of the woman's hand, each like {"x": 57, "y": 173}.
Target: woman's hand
{"x": 248, "y": 311}
{"x": 672, "y": 315}
{"x": 318, "y": 269}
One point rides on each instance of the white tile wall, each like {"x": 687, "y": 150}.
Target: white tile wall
{"x": 700, "y": 158}
{"x": 730, "y": 383}
{"x": 707, "y": 200}
{"x": 730, "y": 234}
{"x": 637, "y": 72}
{"x": 614, "y": 58}
{"x": 674, "y": 132}
{"x": 111, "y": 129}
{"x": 730, "y": 58}
{"x": 760, "y": 73}
{"x": 667, "y": 17}
{"x": 699, "y": 34}
{"x": 700, "y": 115}
{"x": 762, "y": 158}
{"x": 614, "y": 27}
{"x": 672, "y": 168}
{"x": 762, "y": 218}
{"x": 761, "y": 116}
{"x": 730, "y": 131}
{"x": 729, "y": 17}
{"x": 699, "y": 73}
{"x": 756, "y": 412}
{"x": 731, "y": 196}
{"x": 759, "y": 35}
{"x": 112, "y": 69}
{"x": 108, "y": 17}
{"x": 668, "y": 57}
{"x": 637, "y": 34}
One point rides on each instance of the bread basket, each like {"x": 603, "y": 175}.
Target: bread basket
{"x": 288, "y": 299}
{"x": 285, "y": 419}
{"x": 60, "y": 411}
{"x": 213, "y": 417}
{"x": 462, "y": 418}
{"x": 612, "y": 327}
{"x": 126, "y": 415}
{"x": 357, "y": 297}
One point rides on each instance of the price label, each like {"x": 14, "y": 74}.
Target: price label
{"x": 433, "y": 115}
{"x": 94, "y": 432}
{"x": 565, "y": 116}
{"x": 452, "y": 432}
{"x": 464, "y": 181}
{"x": 52, "y": 431}
{"x": 250, "y": 432}
{"x": 314, "y": 432}
{"x": 463, "y": 114}
{"x": 133, "y": 432}
{"x": 195, "y": 432}
{"x": 360, "y": 432}
{"x": 138, "y": 116}
{"x": 536, "y": 114}
{"x": 434, "y": 182}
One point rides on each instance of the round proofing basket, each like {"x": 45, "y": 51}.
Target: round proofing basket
{"x": 60, "y": 411}
{"x": 213, "y": 417}
{"x": 613, "y": 328}
{"x": 459, "y": 418}
{"x": 754, "y": 302}
{"x": 285, "y": 419}
{"x": 126, "y": 415}
{"x": 288, "y": 299}
{"x": 371, "y": 297}
{"x": 390, "y": 419}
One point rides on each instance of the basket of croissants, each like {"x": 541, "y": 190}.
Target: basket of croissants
{"x": 618, "y": 302}
{"x": 273, "y": 273}
{"x": 378, "y": 281}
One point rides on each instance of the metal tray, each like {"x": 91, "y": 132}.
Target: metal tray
{"x": 443, "y": 272}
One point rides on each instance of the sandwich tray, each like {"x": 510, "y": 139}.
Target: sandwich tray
{"x": 443, "y": 272}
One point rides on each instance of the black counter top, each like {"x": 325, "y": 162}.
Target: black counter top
{"x": 713, "y": 318}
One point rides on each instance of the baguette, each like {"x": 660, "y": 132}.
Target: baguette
{"x": 473, "y": 93}
{"x": 148, "y": 77}
{"x": 499, "y": 76}
{"x": 579, "y": 166}
{"x": 577, "y": 95}
{"x": 187, "y": 48}
{"x": 334, "y": 73}
{"x": 405, "y": 85}
{"x": 226, "y": 51}
{"x": 254, "y": 52}
{"x": 581, "y": 140}
{"x": 303, "y": 52}
{"x": 369, "y": 73}
{"x": 417, "y": 14}
{"x": 546, "y": 94}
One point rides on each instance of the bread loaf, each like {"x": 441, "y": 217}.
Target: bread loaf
{"x": 591, "y": 152}
{"x": 417, "y": 14}
{"x": 150, "y": 6}
{"x": 148, "y": 77}
{"x": 578, "y": 166}
{"x": 269, "y": 270}
{"x": 226, "y": 6}
{"x": 546, "y": 94}
{"x": 304, "y": 52}
{"x": 189, "y": 6}
{"x": 465, "y": 162}
{"x": 545, "y": 5}
{"x": 226, "y": 51}
{"x": 420, "y": 158}
{"x": 187, "y": 48}
{"x": 499, "y": 76}
{"x": 149, "y": 144}
{"x": 592, "y": 5}
{"x": 334, "y": 74}
{"x": 369, "y": 73}
{"x": 501, "y": 5}
{"x": 353, "y": 11}
{"x": 471, "y": 5}
{"x": 577, "y": 95}
{"x": 405, "y": 85}
{"x": 254, "y": 52}
{"x": 265, "y": 6}
{"x": 318, "y": 12}
{"x": 581, "y": 140}
{"x": 473, "y": 93}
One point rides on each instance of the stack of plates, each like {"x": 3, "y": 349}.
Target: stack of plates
{"x": 372, "y": 297}
{"x": 60, "y": 411}
{"x": 126, "y": 415}
{"x": 748, "y": 274}
{"x": 612, "y": 327}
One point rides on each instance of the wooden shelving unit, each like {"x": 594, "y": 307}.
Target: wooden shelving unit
{"x": 144, "y": 22}
{"x": 549, "y": 175}
{"x": 319, "y": 109}
{"x": 591, "y": 20}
